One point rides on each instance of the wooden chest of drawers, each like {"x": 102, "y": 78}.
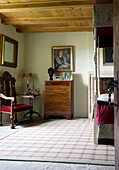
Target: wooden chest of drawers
{"x": 58, "y": 99}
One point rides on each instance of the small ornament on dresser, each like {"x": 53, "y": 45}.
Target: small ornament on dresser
{"x": 51, "y": 72}
{"x": 58, "y": 78}
{"x": 37, "y": 91}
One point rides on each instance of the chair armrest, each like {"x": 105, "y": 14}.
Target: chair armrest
{"x": 6, "y": 98}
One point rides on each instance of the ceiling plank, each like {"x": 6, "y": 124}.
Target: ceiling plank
{"x": 21, "y": 6}
{"x": 42, "y": 1}
{"x": 54, "y": 29}
{"x": 46, "y": 20}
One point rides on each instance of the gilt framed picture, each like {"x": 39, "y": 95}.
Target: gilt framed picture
{"x": 108, "y": 56}
{"x": 62, "y": 58}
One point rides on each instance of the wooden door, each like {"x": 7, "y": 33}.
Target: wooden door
{"x": 116, "y": 70}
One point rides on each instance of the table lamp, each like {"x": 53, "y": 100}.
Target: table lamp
{"x": 28, "y": 76}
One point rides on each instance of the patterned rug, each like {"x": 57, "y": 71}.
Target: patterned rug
{"x": 61, "y": 140}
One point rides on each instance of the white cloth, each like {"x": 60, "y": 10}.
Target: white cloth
{"x": 105, "y": 98}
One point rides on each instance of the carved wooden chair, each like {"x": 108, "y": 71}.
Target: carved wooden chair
{"x": 8, "y": 99}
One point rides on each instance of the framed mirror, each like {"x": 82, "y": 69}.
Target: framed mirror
{"x": 8, "y": 51}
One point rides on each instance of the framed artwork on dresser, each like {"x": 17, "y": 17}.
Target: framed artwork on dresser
{"x": 62, "y": 58}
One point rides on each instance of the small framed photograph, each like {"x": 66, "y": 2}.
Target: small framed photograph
{"x": 67, "y": 76}
{"x": 62, "y": 58}
{"x": 108, "y": 56}
{"x": 58, "y": 77}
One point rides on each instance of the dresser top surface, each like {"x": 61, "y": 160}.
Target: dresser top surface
{"x": 58, "y": 80}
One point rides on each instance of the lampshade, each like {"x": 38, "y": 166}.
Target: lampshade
{"x": 27, "y": 76}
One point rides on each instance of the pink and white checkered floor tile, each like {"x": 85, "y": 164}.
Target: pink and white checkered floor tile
{"x": 61, "y": 140}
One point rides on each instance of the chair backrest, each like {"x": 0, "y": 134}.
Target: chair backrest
{"x": 7, "y": 87}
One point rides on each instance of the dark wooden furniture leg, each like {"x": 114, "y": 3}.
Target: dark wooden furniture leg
{"x": 68, "y": 117}
{"x": 1, "y": 119}
{"x": 16, "y": 120}
{"x": 32, "y": 113}
{"x": 12, "y": 117}
{"x": 45, "y": 116}
{"x": 12, "y": 122}
{"x": 29, "y": 112}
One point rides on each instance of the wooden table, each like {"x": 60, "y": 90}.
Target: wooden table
{"x": 31, "y": 98}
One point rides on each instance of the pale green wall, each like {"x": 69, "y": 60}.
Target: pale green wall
{"x": 38, "y": 59}
{"x": 16, "y": 72}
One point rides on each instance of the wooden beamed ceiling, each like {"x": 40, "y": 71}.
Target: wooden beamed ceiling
{"x": 29, "y": 16}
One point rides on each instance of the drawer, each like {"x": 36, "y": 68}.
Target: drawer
{"x": 53, "y": 101}
{"x": 57, "y": 88}
{"x": 57, "y": 83}
{"x": 55, "y": 109}
{"x": 57, "y": 94}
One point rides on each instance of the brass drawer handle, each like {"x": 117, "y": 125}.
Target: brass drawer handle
{"x": 63, "y": 88}
{"x": 64, "y": 110}
{"x": 64, "y": 84}
{"x": 64, "y": 95}
{"x": 50, "y": 102}
{"x": 50, "y": 88}
{"x": 49, "y": 83}
{"x": 50, "y": 94}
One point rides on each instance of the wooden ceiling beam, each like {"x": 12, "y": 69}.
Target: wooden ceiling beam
{"x": 22, "y": 6}
{"x": 55, "y": 29}
{"x": 46, "y": 20}
{"x": 43, "y": 1}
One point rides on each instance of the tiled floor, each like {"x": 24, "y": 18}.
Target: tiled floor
{"x": 19, "y": 165}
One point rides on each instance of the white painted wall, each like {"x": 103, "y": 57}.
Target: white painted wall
{"x": 16, "y": 72}
{"x": 38, "y": 60}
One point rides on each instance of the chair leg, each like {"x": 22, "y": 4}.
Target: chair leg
{"x": 12, "y": 121}
{"x": 16, "y": 120}
{"x": 1, "y": 119}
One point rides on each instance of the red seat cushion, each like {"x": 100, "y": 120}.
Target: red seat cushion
{"x": 16, "y": 108}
